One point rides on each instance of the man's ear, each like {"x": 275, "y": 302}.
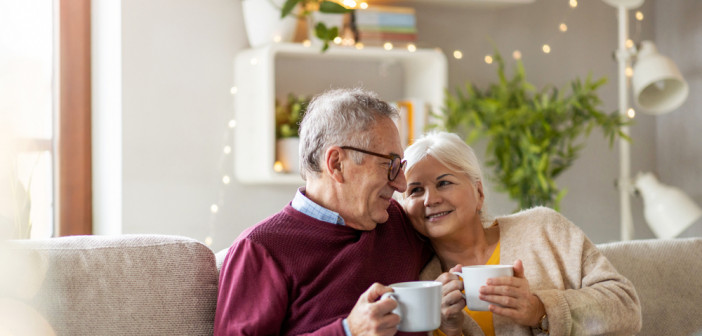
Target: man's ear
{"x": 333, "y": 163}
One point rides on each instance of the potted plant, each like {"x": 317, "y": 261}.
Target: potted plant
{"x": 287, "y": 119}
{"x": 322, "y": 30}
{"x": 263, "y": 25}
{"x": 532, "y": 136}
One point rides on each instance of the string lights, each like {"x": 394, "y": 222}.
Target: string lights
{"x": 225, "y": 168}
{"x": 562, "y": 26}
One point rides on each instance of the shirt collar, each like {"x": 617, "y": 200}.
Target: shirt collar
{"x": 305, "y": 205}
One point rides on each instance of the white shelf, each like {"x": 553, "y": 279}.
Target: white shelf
{"x": 263, "y": 74}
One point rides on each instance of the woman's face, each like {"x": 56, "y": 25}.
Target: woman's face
{"x": 441, "y": 201}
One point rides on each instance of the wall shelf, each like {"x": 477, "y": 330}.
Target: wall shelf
{"x": 264, "y": 74}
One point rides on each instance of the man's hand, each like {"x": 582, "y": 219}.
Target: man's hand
{"x": 513, "y": 294}
{"x": 372, "y": 317}
{"x": 452, "y": 302}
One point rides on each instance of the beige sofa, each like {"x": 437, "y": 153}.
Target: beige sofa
{"x": 167, "y": 285}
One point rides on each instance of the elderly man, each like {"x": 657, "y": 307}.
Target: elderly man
{"x": 320, "y": 265}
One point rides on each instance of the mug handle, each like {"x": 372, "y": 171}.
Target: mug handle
{"x": 393, "y": 296}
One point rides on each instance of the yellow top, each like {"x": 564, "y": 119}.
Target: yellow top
{"x": 483, "y": 318}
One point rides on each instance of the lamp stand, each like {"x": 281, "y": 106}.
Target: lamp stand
{"x": 624, "y": 183}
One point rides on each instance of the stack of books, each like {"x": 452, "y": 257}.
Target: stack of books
{"x": 377, "y": 25}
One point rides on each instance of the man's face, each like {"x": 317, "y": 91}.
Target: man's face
{"x": 367, "y": 191}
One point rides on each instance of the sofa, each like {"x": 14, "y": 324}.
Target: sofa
{"x": 167, "y": 285}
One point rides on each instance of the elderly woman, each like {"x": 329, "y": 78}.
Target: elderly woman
{"x": 562, "y": 285}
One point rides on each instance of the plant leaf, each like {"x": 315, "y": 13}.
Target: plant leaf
{"x": 288, "y": 6}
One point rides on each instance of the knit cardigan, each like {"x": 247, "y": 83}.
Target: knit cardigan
{"x": 581, "y": 290}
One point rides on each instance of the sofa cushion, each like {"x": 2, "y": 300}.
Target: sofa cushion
{"x": 666, "y": 276}
{"x": 128, "y": 284}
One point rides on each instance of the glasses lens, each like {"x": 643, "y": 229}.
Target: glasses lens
{"x": 395, "y": 166}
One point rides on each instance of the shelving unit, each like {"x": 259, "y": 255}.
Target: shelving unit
{"x": 264, "y": 74}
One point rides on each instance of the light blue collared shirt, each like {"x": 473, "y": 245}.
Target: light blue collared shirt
{"x": 305, "y": 205}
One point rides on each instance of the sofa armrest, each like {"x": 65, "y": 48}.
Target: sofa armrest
{"x": 127, "y": 285}
{"x": 665, "y": 274}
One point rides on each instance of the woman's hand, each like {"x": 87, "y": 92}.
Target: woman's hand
{"x": 512, "y": 298}
{"x": 452, "y": 302}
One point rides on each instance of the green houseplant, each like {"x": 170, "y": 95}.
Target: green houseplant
{"x": 325, "y": 33}
{"x": 287, "y": 119}
{"x": 532, "y": 135}
{"x": 289, "y": 115}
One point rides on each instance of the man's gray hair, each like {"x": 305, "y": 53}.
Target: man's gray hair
{"x": 341, "y": 117}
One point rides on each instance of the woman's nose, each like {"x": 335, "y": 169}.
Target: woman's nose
{"x": 431, "y": 197}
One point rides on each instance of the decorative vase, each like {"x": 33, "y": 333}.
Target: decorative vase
{"x": 263, "y": 22}
{"x": 287, "y": 153}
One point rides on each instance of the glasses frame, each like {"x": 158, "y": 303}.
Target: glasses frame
{"x": 392, "y": 157}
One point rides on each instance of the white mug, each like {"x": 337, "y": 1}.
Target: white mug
{"x": 475, "y": 277}
{"x": 418, "y": 305}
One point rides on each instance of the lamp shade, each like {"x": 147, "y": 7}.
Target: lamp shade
{"x": 658, "y": 85}
{"x": 668, "y": 211}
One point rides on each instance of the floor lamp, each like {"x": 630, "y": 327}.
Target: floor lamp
{"x": 658, "y": 88}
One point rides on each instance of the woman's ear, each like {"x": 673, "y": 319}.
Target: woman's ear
{"x": 480, "y": 194}
{"x": 333, "y": 163}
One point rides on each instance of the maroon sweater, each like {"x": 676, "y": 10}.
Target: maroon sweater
{"x": 292, "y": 274}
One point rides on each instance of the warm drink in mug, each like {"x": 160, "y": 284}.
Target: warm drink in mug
{"x": 418, "y": 305}
{"x": 475, "y": 277}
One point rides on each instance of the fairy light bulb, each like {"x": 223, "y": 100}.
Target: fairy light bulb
{"x": 350, "y": 3}
{"x": 278, "y": 167}
{"x": 277, "y": 39}
{"x": 517, "y": 55}
{"x": 387, "y": 46}
{"x": 639, "y": 16}
{"x": 359, "y": 45}
{"x": 631, "y": 113}
{"x": 629, "y": 43}
{"x": 546, "y": 48}
{"x": 254, "y": 61}
{"x": 629, "y": 71}
{"x": 337, "y": 40}
{"x": 573, "y": 3}
{"x": 411, "y": 47}
{"x": 307, "y": 43}
{"x": 208, "y": 241}
{"x": 214, "y": 208}
{"x": 232, "y": 123}
{"x": 226, "y": 179}
{"x": 364, "y": 5}
{"x": 234, "y": 90}
{"x": 488, "y": 59}
{"x": 563, "y": 27}
{"x": 227, "y": 149}
{"x": 457, "y": 54}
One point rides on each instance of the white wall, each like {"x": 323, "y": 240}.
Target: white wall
{"x": 679, "y": 142}
{"x": 177, "y": 58}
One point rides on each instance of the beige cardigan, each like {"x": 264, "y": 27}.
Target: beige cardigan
{"x": 582, "y": 292}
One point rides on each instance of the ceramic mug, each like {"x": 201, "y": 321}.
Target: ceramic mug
{"x": 418, "y": 305}
{"x": 475, "y": 277}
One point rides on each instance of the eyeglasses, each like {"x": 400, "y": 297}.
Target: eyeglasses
{"x": 396, "y": 162}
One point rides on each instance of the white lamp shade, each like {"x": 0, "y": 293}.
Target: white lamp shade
{"x": 658, "y": 85}
{"x": 668, "y": 211}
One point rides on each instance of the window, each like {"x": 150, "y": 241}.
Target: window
{"x": 26, "y": 118}
{"x": 45, "y": 118}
